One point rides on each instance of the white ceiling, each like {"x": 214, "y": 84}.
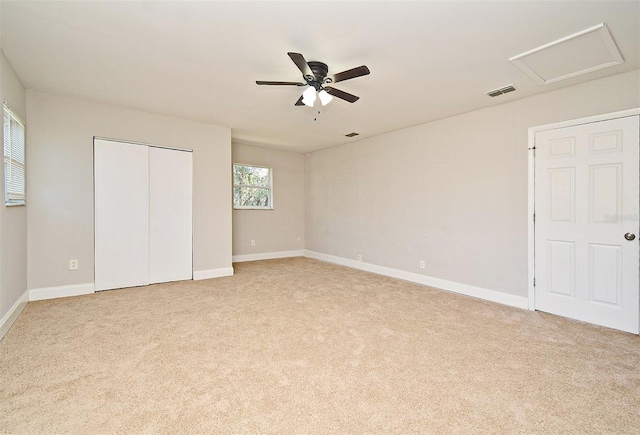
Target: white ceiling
{"x": 200, "y": 60}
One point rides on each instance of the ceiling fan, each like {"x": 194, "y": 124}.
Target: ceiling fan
{"x": 315, "y": 76}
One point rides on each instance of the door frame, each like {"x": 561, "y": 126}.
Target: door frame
{"x": 531, "y": 183}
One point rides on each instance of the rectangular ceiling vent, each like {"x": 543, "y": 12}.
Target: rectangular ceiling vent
{"x": 500, "y": 91}
{"x": 589, "y": 50}
{"x": 352, "y": 134}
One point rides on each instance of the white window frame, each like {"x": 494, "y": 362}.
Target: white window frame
{"x": 12, "y": 163}
{"x": 270, "y": 188}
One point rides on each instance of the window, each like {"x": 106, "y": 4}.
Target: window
{"x": 14, "y": 159}
{"x": 252, "y": 187}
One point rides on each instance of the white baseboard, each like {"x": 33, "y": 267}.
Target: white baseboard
{"x": 456, "y": 287}
{"x": 268, "y": 256}
{"x": 212, "y": 273}
{"x": 63, "y": 291}
{"x": 13, "y": 313}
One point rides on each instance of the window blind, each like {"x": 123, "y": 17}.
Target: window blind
{"x": 14, "y": 158}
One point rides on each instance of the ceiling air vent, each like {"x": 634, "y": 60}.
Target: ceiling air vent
{"x": 500, "y": 91}
{"x": 352, "y": 134}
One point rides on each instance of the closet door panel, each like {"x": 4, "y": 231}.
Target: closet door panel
{"x": 170, "y": 220}
{"x": 121, "y": 174}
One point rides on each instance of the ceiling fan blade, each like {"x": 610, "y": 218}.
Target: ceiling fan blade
{"x": 262, "y": 82}
{"x": 350, "y": 74}
{"x": 299, "y": 102}
{"x": 302, "y": 64}
{"x": 341, "y": 94}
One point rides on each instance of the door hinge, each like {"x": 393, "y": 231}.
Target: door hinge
{"x": 534, "y": 282}
{"x": 534, "y": 217}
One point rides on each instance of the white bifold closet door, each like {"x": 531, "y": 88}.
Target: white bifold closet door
{"x": 143, "y": 214}
{"x": 170, "y": 222}
{"x": 121, "y": 185}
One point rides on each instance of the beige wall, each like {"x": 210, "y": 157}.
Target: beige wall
{"x": 278, "y": 229}
{"x": 451, "y": 192}
{"x": 60, "y": 182}
{"x": 13, "y": 220}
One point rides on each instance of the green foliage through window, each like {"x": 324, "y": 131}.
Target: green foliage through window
{"x": 252, "y": 187}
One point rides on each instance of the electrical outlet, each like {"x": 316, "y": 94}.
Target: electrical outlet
{"x": 422, "y": 265}
{"x": 359, "y": 257}
{"x": 73, "y": 264}
{"x": 253, "y": 243}
{"x": 298, "y": 240}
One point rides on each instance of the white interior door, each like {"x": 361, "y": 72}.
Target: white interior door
{"x": 121, "y": 177}
{"x": 586, "y": 200}
{"x": 170, "y": 221}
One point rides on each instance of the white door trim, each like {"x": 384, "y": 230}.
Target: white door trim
{"x": 531, "y": 191}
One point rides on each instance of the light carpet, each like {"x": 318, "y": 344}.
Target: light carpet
{"x": 301, "y": 346}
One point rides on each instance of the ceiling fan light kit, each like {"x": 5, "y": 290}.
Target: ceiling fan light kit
{"x": 325, "y": 98}
{"x": 315, "y": 76}
{"x": 309, "y": 96}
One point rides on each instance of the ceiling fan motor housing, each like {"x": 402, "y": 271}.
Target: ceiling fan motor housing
{"x": 319, "y": 70}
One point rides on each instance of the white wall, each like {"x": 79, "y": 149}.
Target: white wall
{"x": 451, "y": 192}
{"x": 276, "y": 230}
{"x": 13, "y": 220}
{"x": 60, "y": 182}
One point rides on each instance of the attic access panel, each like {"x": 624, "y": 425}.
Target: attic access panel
{"x": 581, "y": 53}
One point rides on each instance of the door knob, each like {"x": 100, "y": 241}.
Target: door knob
{"x": 629, "y": 236}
